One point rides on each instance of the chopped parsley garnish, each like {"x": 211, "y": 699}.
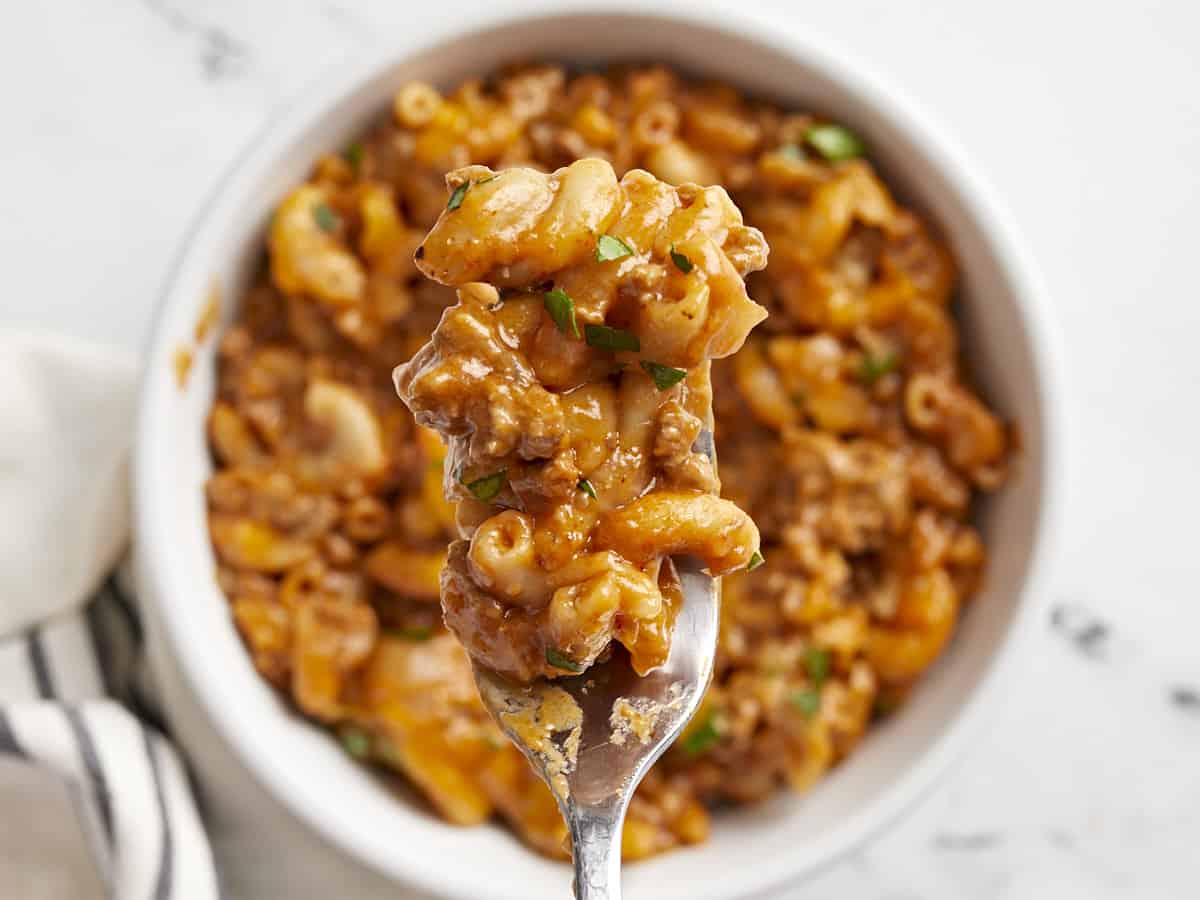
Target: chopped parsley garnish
{"x": 561, "y": 661}
{"x": 702, "y": 737}
{"x": 875, "y": 367}
{"x": 817, "y": 663}
{"x": 327, "y": 219}
{"x": 682, "y": 263}
{"x": 664, "y": 376}
{"x": 586, "y": 486}
{"x": 561, "y": 308}
{"x": 834, "y": 142}
{"x": 792, "y": 151}
{"x": 487, "y": 487}
{"x": 354, "y": 155}
{"x": 417, "y": 633}
{"x": 602, "y": 337}
{"x": 609, "y": 248}
{"x": 755, "y": 561}
{"x": 807, "y": 701}
{"x": 456, "y": 197}
{"x": 356, "y": 743}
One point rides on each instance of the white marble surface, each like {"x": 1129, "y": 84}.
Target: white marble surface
{"x": 118, "y": 117}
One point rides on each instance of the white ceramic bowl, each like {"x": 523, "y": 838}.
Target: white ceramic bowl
{"x": 1007, "y": 341}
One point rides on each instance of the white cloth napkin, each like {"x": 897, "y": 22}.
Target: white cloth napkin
{"x": 65, "y": 417}
{"x": 76, "y": 696}
{"x": 65, "y": 414}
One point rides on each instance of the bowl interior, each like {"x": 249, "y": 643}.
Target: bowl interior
{"x": 749, "y": 849}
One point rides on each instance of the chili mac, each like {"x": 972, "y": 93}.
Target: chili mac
{"x": 846, "y": 427}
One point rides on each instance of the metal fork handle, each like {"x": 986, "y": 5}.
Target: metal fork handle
{"x": 596, "y": 850}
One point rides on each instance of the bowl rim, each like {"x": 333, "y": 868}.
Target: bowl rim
{"x": 332, "y": 85}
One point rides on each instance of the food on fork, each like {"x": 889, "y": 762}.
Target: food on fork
{"x": 571, "y": 382}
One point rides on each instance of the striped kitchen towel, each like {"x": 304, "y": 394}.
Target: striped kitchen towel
{"x": 72, "y": 697}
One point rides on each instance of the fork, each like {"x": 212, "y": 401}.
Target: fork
{"x": 592, "y": 774}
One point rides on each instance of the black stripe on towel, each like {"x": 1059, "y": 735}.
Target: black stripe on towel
{"x": 162, "y": 883}
{"x": 39, "y": 664}
{"x": 8, "y": 737}
{"x": 91, "y": 762}
{"x": 102, "y": 645}
{"x": 44, "y": 679}
{"x": 126, "y": 605}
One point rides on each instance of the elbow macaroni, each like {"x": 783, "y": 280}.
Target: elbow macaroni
{"x": 606, "y": 461}
{"x": 845, "y": 427}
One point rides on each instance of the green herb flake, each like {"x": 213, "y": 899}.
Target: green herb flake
{"x": 586, "y": 486}
{"x": 487, "y": 487}
{"x": 664, "y": 376}
{"x": 354, "y": 155}
{"x": 682, "y": 263}
{"x": 561, "y": 661}
{"x": 701, "y": 738}
{"x": 834, "y": 142}
{"x": 356, "y": 743}
{"x": 873, "y": 367}
{"x": 807, "y": 701}
{"x": 456, "y": 197}
{"x": 756, "y": 560}
{"x": 609, "y": 248}
{"x": 817, "y": 663}
{"x": 489, "y": 178}
{"x": 561, "y": 308}
{"x": 791, "y": 151}
{"x": 417, "y": 634}
{"x": 602, "y": 337}
{"x": 327, "y": 219}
